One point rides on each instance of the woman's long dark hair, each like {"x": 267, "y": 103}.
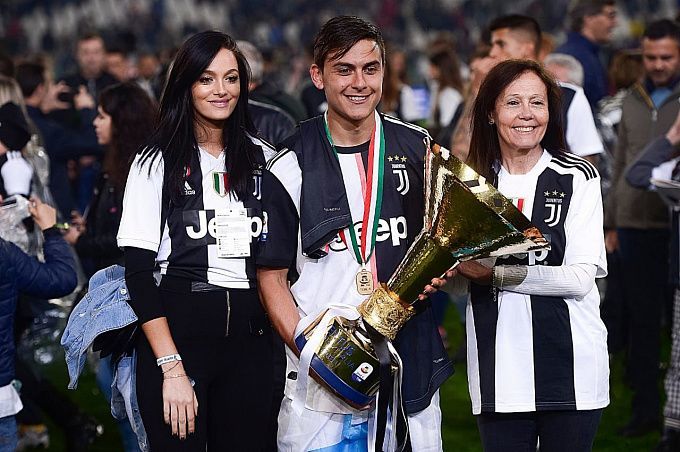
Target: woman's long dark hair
{"x": 449, "y": 69}
{"x": 485, "y": 148}
{"x": 175, "y": 138}
{"x": 133, "y": 114}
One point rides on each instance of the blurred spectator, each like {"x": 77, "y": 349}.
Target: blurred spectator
{"x": 313, "y": 98}
{"x": 118, "y": 64}
{"x": 592, "y": 23}
{"x": 637, "y": 221}
{"x": 625, "y": 71}
{"x": 125, "y": 116}
{"x": 91, "y": 59}
{"x": 91, "y": 74}
{"x": 273, "y": 123}
{"x": 398, "y": 97}
{"x": 659, "y": 160}
{"x": 547, "y": 46}
{"x": 21, "y": 273}
{"x": 565, "y": 68}
{"x": 447, "y": 95}
{"x": 264, "y": 91}
{"x": 62, "y": 143}
{"x": 148, "y": 71}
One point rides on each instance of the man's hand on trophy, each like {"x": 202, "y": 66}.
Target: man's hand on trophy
{"x": 475, "y": 272}
{"x": 435, "y": 284}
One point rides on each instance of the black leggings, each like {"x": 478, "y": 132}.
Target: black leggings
{"x": 225, "y": 342}
{"x": 554, "y": 431}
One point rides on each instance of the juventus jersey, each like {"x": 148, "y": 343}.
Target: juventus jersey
{"x": 187, "y": 246}
{"x": 331, "y": 280}
{"x": 534, "y": 352}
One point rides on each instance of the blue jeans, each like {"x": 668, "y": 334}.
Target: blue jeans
{"x": 8, "y": 434}
{"x": 104, "y": 380}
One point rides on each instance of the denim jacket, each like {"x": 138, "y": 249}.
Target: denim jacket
{"x": 105, "y": 308}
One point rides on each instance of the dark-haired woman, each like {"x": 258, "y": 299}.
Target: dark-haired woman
{"x": 537, "y": 348}
{"x": 124, "y": 117}
{"x": 447, "y": 98}
{"x": 192, "y": 209}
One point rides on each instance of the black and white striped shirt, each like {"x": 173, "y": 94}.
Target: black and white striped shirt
{"x": 187, "y": 247}
{"x": 530, "y": 351}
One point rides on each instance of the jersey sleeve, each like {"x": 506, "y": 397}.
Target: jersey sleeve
{"x": 140, "y": 222}
{"x": 584, "y": 227}
{"x": 581, "y": 133}
{"x": 278, "y": 243}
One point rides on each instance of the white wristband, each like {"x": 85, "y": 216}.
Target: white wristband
{"x": 168, "y": 359}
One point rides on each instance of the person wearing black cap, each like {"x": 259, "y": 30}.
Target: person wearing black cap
{"x": 15, "y": 171}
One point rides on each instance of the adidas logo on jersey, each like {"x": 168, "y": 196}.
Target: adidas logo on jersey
{"x": 393, "y": 229}
{"x": 188, "y": 190}
{"x": 205, "y": 226}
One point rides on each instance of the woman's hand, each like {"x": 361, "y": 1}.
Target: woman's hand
{"x": 72, "y": 235}
{"x": 475, "y": 272}
{"x": 180, "y": 406}
{"x": 44, "y": 215}
{"x": 435, "y": 284}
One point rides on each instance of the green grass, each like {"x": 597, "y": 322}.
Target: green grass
{"x": 459, "y": 430}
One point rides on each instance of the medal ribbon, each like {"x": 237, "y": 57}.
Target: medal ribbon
{"x": 373, "y": 193}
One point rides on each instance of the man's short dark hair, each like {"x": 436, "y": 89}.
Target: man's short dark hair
{"x": 30, "y": 76}
{"x": 664, "y": 28}
{"x": 517, "y": 22}
{"x": 583, "y": 8}
{"x": 340, "y": 34}
{"x": 89, "y": 35}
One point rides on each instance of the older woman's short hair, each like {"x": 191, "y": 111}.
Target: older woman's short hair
{"x": 484, "y": 145}
{"x": 574, "y": 69}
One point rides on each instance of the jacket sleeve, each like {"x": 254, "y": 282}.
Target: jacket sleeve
{"x": 55, "y": 277}
{"x": 63, "y": 143}
{"x": 617, "y": 174}
{"x": 657, "y": 152}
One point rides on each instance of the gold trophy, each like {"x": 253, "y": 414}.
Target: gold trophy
{"x": 465, "y": 218}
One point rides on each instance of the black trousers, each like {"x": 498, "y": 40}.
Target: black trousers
{"x": 644, "y": 261}
{"x": 225, "y": 341}
{"x": 553, "y": 431}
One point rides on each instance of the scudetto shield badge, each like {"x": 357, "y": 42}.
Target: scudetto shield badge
{"x": 221, "y": 183}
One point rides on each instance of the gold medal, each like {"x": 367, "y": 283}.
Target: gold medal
{"x": 364, "y": 282}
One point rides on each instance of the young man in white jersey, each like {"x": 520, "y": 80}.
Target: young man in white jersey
{"x": 342, "y": 170}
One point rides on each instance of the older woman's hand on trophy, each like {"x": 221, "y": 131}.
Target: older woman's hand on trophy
{"x": 475, "y": 272}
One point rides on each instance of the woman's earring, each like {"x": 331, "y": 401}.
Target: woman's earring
{"x": 491, "y": 121}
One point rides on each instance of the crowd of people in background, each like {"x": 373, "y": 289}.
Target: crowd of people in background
{"x": 74, "y": 112}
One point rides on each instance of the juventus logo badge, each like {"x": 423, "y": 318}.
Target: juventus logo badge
{"x": 399, "y": 169}
{"x": 257, "y": 179}
{"x": 553, "y": 202}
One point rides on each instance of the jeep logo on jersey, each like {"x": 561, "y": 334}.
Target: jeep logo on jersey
{"x": 553, "y": 202}
{"x": 533, "y": 257}
{"x": 399, "y": 169}
{"x": 200, "y": 223}
{"x": 390, "y": 228}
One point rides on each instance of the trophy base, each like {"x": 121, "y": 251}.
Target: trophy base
{"x": 345, "y": 362}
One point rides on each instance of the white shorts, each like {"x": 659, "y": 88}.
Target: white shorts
{"x": 328, "y": 432}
